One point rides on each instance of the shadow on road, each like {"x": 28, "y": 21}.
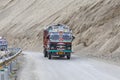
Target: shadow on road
{"x": 64, "y": 58}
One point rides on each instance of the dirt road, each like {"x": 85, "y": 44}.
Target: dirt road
{"x": 36, "y": 67}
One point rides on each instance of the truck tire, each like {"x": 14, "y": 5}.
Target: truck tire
{"x": 49, "y": 56}
{"x": 45, "y": 53}
{"x": 68, "y": 55}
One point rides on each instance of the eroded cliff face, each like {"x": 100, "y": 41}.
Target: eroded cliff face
{"x": 20, "y": 20}
{"x": 95, "y": 23}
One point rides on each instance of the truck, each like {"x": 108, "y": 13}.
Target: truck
{"x": 57, "y": 41}
{"x": 3, "y": 44}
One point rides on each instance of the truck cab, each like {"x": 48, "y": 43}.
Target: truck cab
{"x": 58, "y": 42}
{"x": 3, "y": 44}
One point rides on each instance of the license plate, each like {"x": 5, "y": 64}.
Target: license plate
{"x": 60, "y": 53}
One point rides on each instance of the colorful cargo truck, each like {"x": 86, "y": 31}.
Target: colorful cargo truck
{"x": 3, "y": 44}
{"x": 57, "y": 41}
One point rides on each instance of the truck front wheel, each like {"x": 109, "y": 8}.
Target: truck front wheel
{"x": 45, "y": 53}
{"x": 68, "y": 55}
{"x": 49, "y": 56}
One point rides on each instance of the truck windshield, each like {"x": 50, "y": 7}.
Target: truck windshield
{"x": 67, "y": 37}
{"x": 3, "y": 42}
{"x": 54, "y": 37}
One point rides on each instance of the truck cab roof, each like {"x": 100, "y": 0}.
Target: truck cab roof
{"x": 58, "y": 28}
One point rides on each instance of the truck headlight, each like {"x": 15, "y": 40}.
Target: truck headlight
{"x": 69, "y": 48}
{"x": 48, "y": 46}
{"x": 52, "y": 47}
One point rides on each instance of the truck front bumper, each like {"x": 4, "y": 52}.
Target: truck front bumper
{"x": 55, "y": 51}
{"x": 59, "y": 52}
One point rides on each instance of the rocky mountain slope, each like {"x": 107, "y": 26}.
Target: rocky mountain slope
{"x": 95, "y": 23}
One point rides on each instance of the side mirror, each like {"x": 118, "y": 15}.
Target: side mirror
{"x": 48, "y": 37}
{"x": 73, "y": 37}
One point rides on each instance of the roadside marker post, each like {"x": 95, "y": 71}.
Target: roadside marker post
{"x": 9, "y": 69}
{"x": 2, "y": 74}
{"x": 14, "y": 65}
{"x": 6, "y": 75}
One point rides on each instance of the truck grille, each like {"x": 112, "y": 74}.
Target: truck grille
{"x": 60, "y": 47}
